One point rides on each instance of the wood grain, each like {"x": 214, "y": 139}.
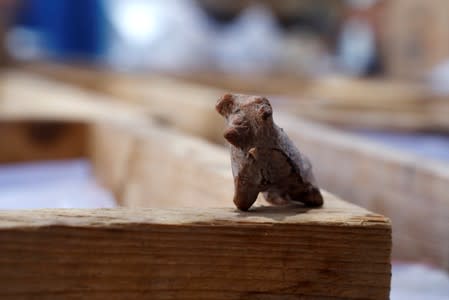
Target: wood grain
{"x": 405, "y": 187}
{"x": 395, "y": 183}
{"x": 337, "y": 252}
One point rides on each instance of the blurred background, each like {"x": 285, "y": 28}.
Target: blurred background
{"x": 301, "y": 38}
{"x": 405, "y": 39}
{"x": 376, "y": 69}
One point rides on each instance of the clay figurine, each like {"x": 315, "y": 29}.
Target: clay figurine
{"x": 263, "y": 157}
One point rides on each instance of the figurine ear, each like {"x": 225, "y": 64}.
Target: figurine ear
{"x": 224, "y": 104}
{"x": 265, "y": 112}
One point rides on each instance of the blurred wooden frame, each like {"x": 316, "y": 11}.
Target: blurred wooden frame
{"x": 377, "y": 104}
{"x": 407, "y": 188}
{"x": 41, "y": 140}
{"x": 178, "y": 235}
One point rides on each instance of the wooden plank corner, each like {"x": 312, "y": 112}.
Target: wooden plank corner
{"x": 338, "y": 252}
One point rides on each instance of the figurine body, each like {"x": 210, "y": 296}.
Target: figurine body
{"x": 263, "y": 158}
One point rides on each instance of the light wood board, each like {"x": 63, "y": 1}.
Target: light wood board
{"x": 338, "y": 252}
{"x": 409, "y": 189}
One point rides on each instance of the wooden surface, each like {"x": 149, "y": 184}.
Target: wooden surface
{"x": 141, "y": 165}
{"x": 372, "y": 104}
{"x": 24, "y": 141}
{"x": 346, "y": 102}
{"x": 400, "y": 185}
{"x": 29, "y": 97}
{"x": 407, "y": 188}
{"x": 153, "y": 95}
{"x": 41, "y": 120}
{"x": 337, "y": 252}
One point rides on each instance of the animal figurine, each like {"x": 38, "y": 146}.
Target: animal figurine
{"x": 263, "y": 157}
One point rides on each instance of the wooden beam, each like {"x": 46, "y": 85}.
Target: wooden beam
{"x": 41, "y": 120}
{"x": 147, "y": 163}
{"x": 346, "y": 102}
{"x": 337, "y": 252}
{"x": 151, "y": 93}
{"x": 373, "y": 104}
{"x": 29, "y": 97}
{"x": 340, "y": 101}
{"x": 391, "y": 182}
{"x": 132, "y": 169}
{"x": 41, "y": 140}
{"x": 394, "y": 183}
{"x": 406, "y": 187}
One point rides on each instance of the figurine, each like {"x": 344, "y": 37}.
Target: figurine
{"x": 263, "y": 158}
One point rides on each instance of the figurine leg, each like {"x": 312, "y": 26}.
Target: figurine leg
{"x": 245, "y": 195}
{"x": 274, "y": 198}
{"x": 311, "y": 197}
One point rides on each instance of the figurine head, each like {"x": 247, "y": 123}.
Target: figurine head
{"x": 246, "y": 117}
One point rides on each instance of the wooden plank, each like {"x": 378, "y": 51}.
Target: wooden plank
{"x": 151, "y": 93}
{"x": 337, "y": 252}
{"x": 373, "y": 104}
{"x": 403, "y": 186}
{"x": 341, "y": 101}
{"x": 373, "y": 176}
{"x": 29, "y": 97}
{"x": 41, "y": 120}
{"x": 26, "y": 134}
{"x": 347, "y": 102}
{"x": 393, "y": 183}
{"x": 23, "y": 141}
{"x": 149, "y": 162}
{"x": 111, "y": 168}
{"x": 192, "y": 104}
{"x": 116, "y": 153}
